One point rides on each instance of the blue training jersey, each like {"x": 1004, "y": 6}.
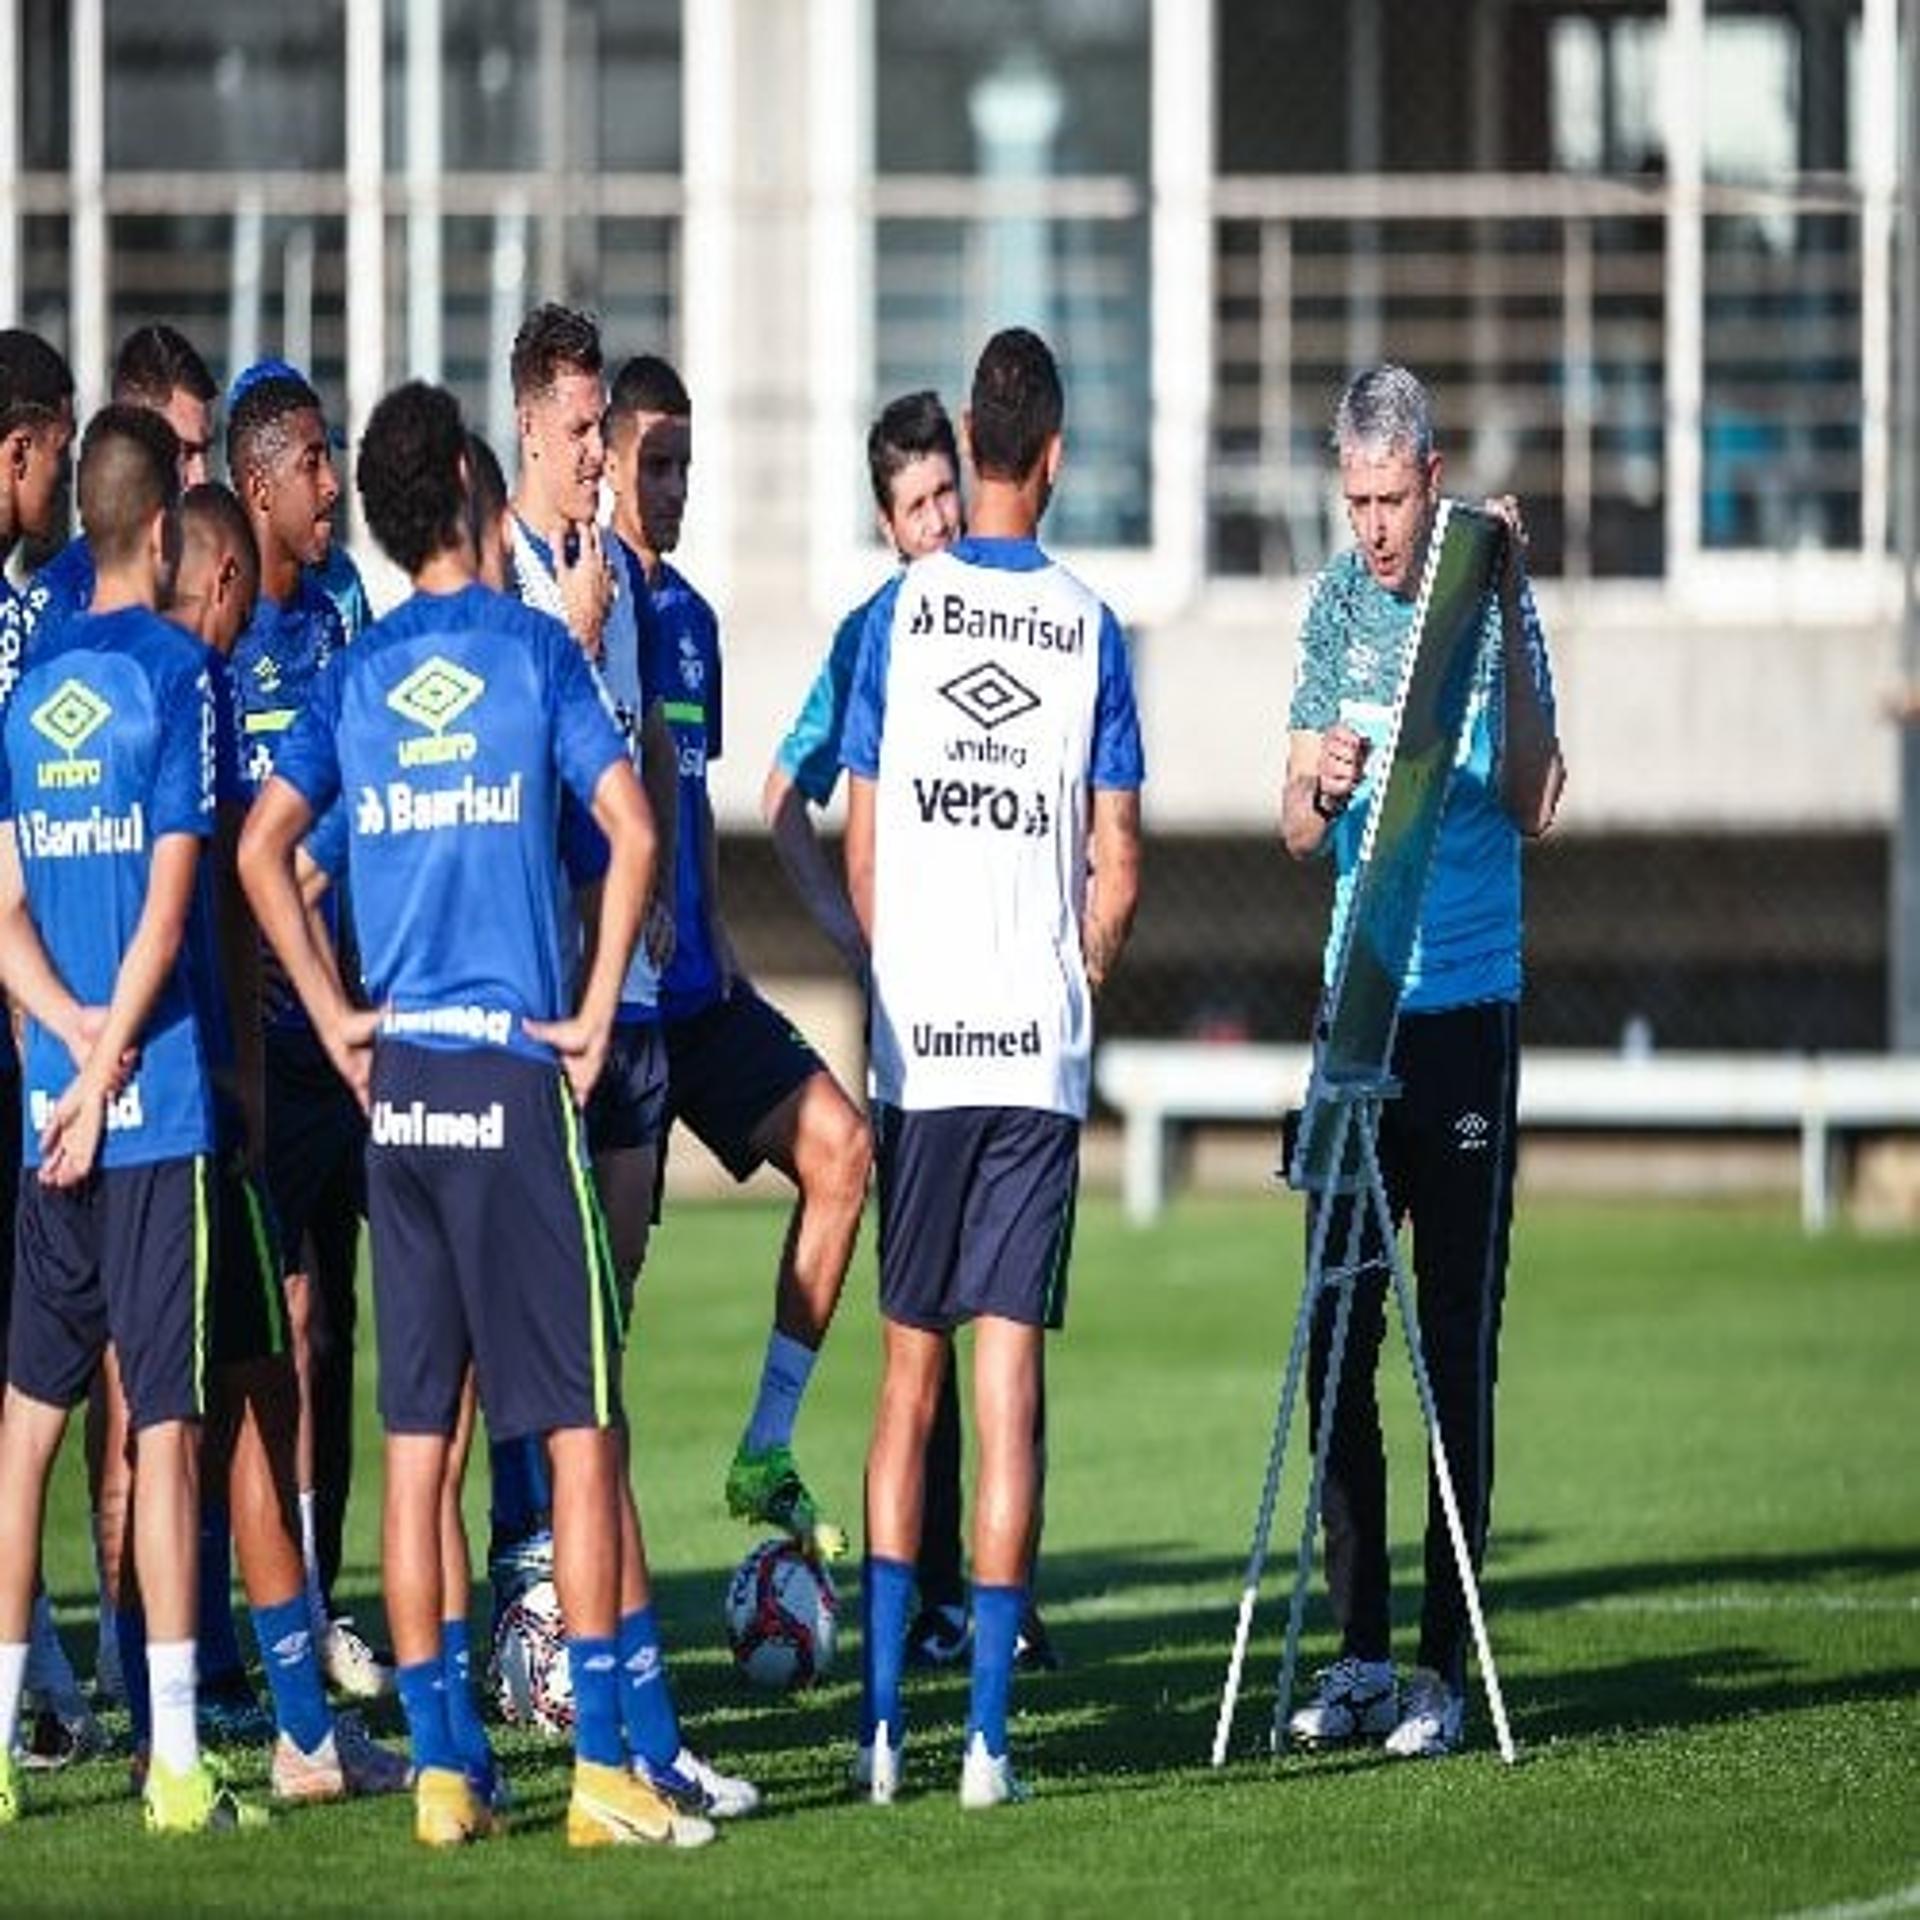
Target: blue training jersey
{"x": 1467, "y": 948}
{"x": 452, "y": 728}
{"x": 810, "y": 754}
{"x": 60, "y": 592}
{"x": 109, "y": 748}
{"x": 690, "y": 690}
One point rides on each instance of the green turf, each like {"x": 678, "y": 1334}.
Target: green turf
{"x": 1704, "y": 1594}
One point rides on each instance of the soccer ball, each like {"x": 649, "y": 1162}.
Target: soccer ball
{"x": 527, "y": 1669}
{"x": 782, "y": 1613}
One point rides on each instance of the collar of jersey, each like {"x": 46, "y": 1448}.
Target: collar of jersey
{"x": 1011, "y": 556}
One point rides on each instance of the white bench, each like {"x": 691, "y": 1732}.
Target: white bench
{"x": 1158, "y": 1085}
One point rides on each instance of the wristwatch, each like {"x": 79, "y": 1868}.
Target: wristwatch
{"x": 1325, "y": 808}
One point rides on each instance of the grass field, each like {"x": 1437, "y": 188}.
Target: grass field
{"x": 1704, "y": 1596}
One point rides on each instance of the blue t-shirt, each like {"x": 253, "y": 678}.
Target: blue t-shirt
{"x": 452, "y": 728}
{"x": 690, "y": 691}
{"x": 275, "y": 664}
{"x": 810, "y": 754}
{"x": 109, "y": 747}
{"x": 1117, "y": 762}
{"x": 1351, "y": 650}
{"x": 60, "y": 592}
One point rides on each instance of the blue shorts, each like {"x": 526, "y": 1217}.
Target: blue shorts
{"x": 127, "y": 1256}
{"x": 628, "y": 1109}
{"x": 729, "y": 1066}
{"x": 249, "y": 1295}
{"x": 487, "y": 1243}
{"x": 976, "y": 1214}
{"x": 316, "y": 1137}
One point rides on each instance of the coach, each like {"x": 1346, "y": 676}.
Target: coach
{"x": 1447, "y": 1142}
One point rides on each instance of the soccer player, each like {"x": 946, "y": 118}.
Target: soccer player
{"x": 913, "y": 464}
{"x": 993, "y": 830}
{"x": 453, "y": 728}
{"x": 278, "y": 451}
{"x": 108, "y": 794}
{"x": 1447, "y": 1141}
{"x": 738, "y": 1074}
{"x": 158, "y": 367}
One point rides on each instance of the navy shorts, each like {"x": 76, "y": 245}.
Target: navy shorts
{"x": 976, "y": 1214}
{"x": 315, "y": 1133}
{"x": 628, "y": 1109}
{"x": 127, "y": 1256}
{"x": 249, "y": 1297}
{"x": 487, "y": 1243}
{"x": 729, "y": 1066}
{"x": 9, "y": 1188}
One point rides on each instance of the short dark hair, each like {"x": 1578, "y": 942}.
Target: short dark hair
{"x": 910, "y": 428}
{"x": 35, "y": 381}
{"x": 218, "y": 508}
{"x": 154, "y": 362}
{"x": 648, "y": 384}
{"x": 486, "y": 485}
{"x": 409, "y": 473}
{"x": 1017, "y": 404}
{"x": 257, "y": 427}
{"x": 553, "y": 340}
{"x": 129, "y": 471}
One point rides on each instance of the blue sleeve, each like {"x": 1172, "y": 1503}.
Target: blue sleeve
{"x": 1118, "y": 761}
{"x": 810, "y": 754}
{"x": 183, "y": 775}
{"x": 716, "y": 704}
{"x": 60, "y": 592}
{"x": 586, "y": 740}
{"x": 1316, "y": 684}
{"x": 867, "y": 697}
{"x": 230, "y": 788}
{"x": 649, "y": 641}
{"x": 309, "y": 756}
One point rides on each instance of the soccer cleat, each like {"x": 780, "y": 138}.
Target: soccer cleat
{"x": 767, "y": 1486}
{"x": 939, "y": 1637}
{"x": 987, "y": 1779}
{"x": 348, "y": 1763}
{"x": 446, "y": 1810}
{"x": 197, "y": 1801}
{"x": 9, "y": 1791}
{"x": 877, "y": 1769}
{"x": 1033, "y": 1649}
{"x": 612, "y": 1808}
{"x": 350, "y": 1664}
{"x": 56, "y": 1737}
{"x": 697, "y": 1787}
{"x": 1356, "y": 1702}
{"x": 230, "y": 1713}
{"x": 1431, "y": 1724}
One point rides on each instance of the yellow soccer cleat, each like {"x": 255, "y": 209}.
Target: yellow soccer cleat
{"x": 446, "y": 1810}
{"x": 197, "y": 1801}
{"x": 610, "y": 1808}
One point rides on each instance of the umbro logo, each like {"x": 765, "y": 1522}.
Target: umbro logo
{"x": 1472, "y": 1132}
{"x": 989, "y": 695}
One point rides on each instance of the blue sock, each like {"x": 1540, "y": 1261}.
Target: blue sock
{"x": 423, "y": 1699}
{"x": 646, "y": 1701}
{"x": 596, "y": 1702}
{"x": 996, "y": 1628}
{"x": 886, "y": 1599}
{"x": 463, "y": 1712}
{"x": 285, "y": 1634}
{"x": 522, "y": 1501}
{"x": 130, "y": 1627}
{"x": 218, "y": 1642}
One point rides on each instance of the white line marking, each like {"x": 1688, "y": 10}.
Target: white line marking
{"x": 1906, "y": 1900}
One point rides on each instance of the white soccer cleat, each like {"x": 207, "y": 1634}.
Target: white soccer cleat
{"x": 877, "y": 1769}
{"x": 1356, "y": 1701}
{"x": 700, "y": 1787}
{"x": 347, "y": 1764}
{"x": 1430, "y": 1726}
{"x": 349, "y": 1664}
{"x": 987, "y": 1779}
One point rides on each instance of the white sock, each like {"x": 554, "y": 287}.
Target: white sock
{"x": 49, "y": 1672}
{"x": 172, "y": 1676}
{"x": 783, "y": 1379}
{"x": 13, "y": 1677}
{"x": 310, "y": 1559}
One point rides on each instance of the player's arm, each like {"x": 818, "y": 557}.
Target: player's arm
{"x": 796, "y": 844}
{"x": 1532, "y": 773}
{"x": 276, "y": 824}
{"x": 621, "y": 812}
{"x": 71, "y": 1141}
{"x": 32, "y": 982}
{"x": 1323, "y": 769}
{"x": 238, "y": 948}
{"x": 1113, "y": 884}
{"x": 859, "y": 851}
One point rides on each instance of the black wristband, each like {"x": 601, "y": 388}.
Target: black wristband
{"x": 1326, "y": 809}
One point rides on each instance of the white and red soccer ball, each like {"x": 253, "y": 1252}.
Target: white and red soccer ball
{"x": 782, "y": 1617}
{"x": 527, "y": 1668}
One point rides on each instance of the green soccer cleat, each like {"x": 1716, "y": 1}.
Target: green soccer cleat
{"x": 9, "y": 1791}
{"x": 767, "y": 1486}
{"x": 197, "y": 1801}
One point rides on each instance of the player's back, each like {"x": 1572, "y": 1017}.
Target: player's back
{"x": 108, "y": 749}
{"x": 458, "y": 720}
